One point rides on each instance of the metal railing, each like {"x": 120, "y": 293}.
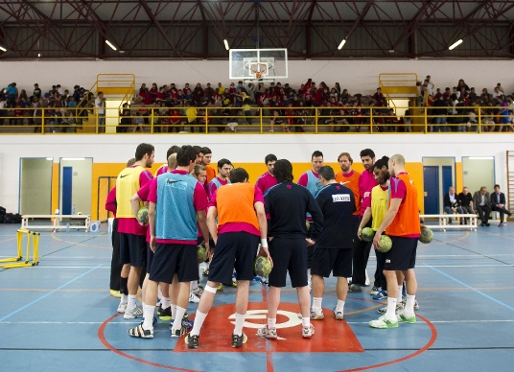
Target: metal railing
{"x": 258, "y": 120}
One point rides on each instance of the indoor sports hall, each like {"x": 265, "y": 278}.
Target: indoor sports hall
{"x": 83, "y": 83}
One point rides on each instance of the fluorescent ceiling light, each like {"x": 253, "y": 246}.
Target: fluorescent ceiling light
{"x": 111, "y": 45}
{"x": 341, "y": 44}
{"x": 3, "y": 49}
{"x": 456, "y": 44}
{"x": 225, "y": 42}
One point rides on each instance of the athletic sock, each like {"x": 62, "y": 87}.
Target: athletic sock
{"x": 409, "y": 306}
{"x": 123, "y": 285}
{"x": 400, "y": 291}
{"x": 173, "y": 311}
{"x": 194, "y": 285}
{"x": 391, "y": 308}
{"x": 272, "y": 322}
{"x": 340, "y": 306}
{"x": 240, "y": 319}
{"x": 124, "y": 299}
{"x": 306, "y": 322}
{"x": 159, "y": 293}
{"x": 131, "y": 302}
{"x": 199, "y": 319}
{"x": 148, "y": 311}
{"x": 177, "y": 322}
{"x": 165, "y": 302}
{"x": 316, "y": 305}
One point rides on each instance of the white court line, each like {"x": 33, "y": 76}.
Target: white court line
{"x": 472, "y": 266}
{"x": 450, "y": 321}
{"x": 463, "y": 255}
{"x": 69, "y": 267}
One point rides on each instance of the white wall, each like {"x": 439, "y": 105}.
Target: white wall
{"x": 251, "y": 148}
{"x": 359, "y": 76}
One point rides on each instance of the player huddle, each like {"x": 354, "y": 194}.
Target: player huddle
{"x": 236, "y": 222}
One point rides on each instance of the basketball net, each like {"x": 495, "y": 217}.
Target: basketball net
{"x": 259, "y": 70}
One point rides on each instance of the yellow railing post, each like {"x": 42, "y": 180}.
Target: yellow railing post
{"x": 151, "y": 120}
{"x": 206, "y": 120}
{"x": 260, "y": 120}
{"x": 371, "y": 120}
{"x": 42, "y": 120}
{"x": 479, "y": 124}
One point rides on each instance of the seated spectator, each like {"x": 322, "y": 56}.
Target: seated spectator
{"x": 482, "y": 205}
{"x": 498, "y": 204}
{"x": 466, "y": 202}
{"x": 451, "y": 203}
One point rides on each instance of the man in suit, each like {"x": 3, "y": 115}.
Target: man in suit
{"x": 451, "y": 203}
{"x": 498, "y": 204}
{"x": 482, "y": 204}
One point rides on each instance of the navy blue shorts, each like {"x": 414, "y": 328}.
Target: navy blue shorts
{"x": 288, "y": 254}
{"x": 149, "y": 258}
{"x": 171, "y": 259}
{"x": 234, "y": 250}
{"x": 133, "y": 249}
{"x": 402, "y": 255}
{"x": 337, "y": 261}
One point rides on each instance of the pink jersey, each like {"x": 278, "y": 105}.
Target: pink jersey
{"x": 366, "y": 183}
{"x": 265, "y": 182}
{"x": 161, "y": 170}
{"x": 143, "y": 194}
{"x": 239, "y": 226}
{"x": 130, "y": 225}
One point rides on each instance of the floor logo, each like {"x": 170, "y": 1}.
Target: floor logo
{"x": 331, "y": 335}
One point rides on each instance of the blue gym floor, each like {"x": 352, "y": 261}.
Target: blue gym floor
{"x": 58, "y": 316}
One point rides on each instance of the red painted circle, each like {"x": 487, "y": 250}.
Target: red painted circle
{"x": 103, "y": 340}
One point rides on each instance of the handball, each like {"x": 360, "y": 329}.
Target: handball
{"x": 367, "y": 234}
{"x": 201, "y": 253}
{"x": 142, "y": 215}
{"x": 262, "y": 266}
{"x": 385, "y": 244}
{"x": 426, "y": 235}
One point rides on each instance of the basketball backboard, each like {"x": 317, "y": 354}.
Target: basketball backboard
{"x": 258, "y": 64}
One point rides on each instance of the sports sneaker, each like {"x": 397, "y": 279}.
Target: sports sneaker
{"x": 315, "y": 316}
{"x": 264, "y": 280}
{"x": 269, "y": 333}
{"x": 205, "y": 272}
{"x": 403, "y": 319}
{"x": 238, "y": 341}
{"x": 185, "y": 322}
{"x": 198, "y": 292}
{"x": 115, "y": 293}
{"x": 220, "y": 288}
{"x": 375, "y": 290}
{"x": 308, "y": 332}
{"x": 256, "y": 278}
{"x": 339, "y": 315}
{"x": 383, "y": 323}
{"x": 193, "y": 298}
{"x": 140, "y": 332}
{"x": 122, "y": 307}
{"x": 192, "y": 341}
{"x": 416, "y": 305}
{"x": 137, "y": 312}
{"x": 177, "y": 332}
{"x": 355, "y": 288}
{"x": 399, "y": 307}
{"x": 380, "y": 295}
{"x": 164, "y": 314}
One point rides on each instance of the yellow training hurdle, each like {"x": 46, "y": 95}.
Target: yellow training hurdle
{"x": 32, "y": 237}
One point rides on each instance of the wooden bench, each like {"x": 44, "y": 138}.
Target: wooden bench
{"x": 469, "y": 221}
{"x": 30, "y": 221}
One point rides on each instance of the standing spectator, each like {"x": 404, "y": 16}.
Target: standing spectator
{"x": 100, "y": 111}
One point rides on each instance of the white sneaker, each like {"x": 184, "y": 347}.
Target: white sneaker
{"x": 308, "y": 332}
{"x": 122, "y": 307}
{"x": 137, "y": 312}
{"x": 198, "y": 292}
{"x": 193, "y": 298}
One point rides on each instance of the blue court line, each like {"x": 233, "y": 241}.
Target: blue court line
{"x": 47, "y": 294}
{"x": 467, "y": 286}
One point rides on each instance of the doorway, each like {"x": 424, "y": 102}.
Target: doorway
{"x": 35, "y": 186}
{"x": 75, "y": 189}
{"x": 438, "y": 176}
